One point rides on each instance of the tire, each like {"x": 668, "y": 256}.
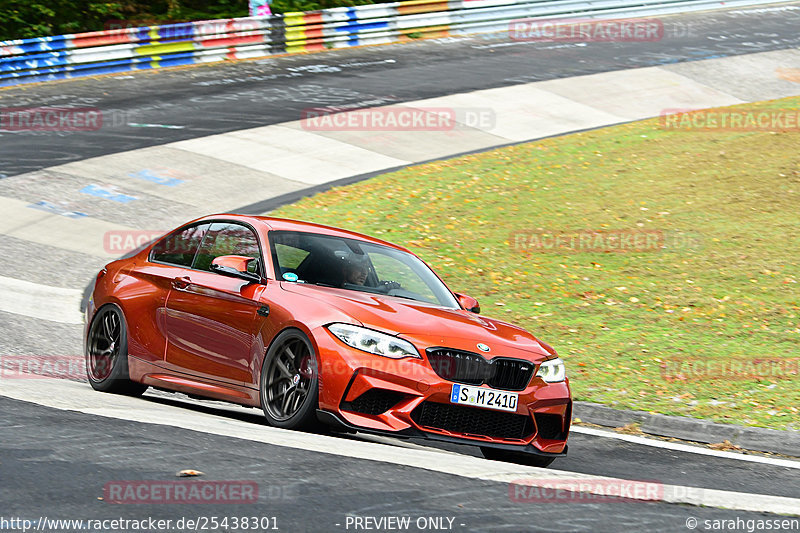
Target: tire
{"x": 517, "y": 457}
{"x": 289, "y": 383}
{"x": 107, "y": 354}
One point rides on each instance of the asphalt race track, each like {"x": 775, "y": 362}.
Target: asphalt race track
{"x": 70, "y": 454}
{"x": 61, "y": 444}
{"x": 194, "y": 102}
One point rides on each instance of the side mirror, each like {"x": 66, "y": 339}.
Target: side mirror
{"x": 234, "y": 266}
{"x": 469, "y": 303}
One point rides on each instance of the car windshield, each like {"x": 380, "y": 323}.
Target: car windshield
{"x": 355, "y": 265}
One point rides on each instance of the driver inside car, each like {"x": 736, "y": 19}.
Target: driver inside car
{"x": 356, "y": 271}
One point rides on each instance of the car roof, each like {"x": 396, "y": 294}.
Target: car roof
{"x": 285, "y": 224}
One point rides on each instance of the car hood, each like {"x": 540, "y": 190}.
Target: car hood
{"x": 437, "y": 325}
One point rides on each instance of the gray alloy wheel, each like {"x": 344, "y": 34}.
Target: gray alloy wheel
{"x": 107, "y": 354}
{"x": 289, "y": 382}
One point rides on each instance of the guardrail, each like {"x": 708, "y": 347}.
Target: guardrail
{"x": 123, "y": 50}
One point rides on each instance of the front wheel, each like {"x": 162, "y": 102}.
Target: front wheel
{"x": 107, "y": 354}
{"x": 289, "y": 382}
{"x": 530, "y": 459}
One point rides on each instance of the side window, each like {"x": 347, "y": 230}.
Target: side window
{"x": 289, "y": 258}
{"x": 227, "y": 239}
{"x": 180, "y": 246}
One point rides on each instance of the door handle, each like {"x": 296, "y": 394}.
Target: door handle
{"x": 181, "y": 283}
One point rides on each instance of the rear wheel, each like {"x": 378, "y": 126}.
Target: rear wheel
{"x": 107, "y": 354}
{"x": 530, "y": 459}
{"x": 289, "y": 382}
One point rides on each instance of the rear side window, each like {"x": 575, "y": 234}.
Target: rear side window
{"x": 180, "y": 246}
{"x": 225, "y": 238}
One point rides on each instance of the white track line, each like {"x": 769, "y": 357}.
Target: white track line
{"x": 72, "y": 396}
{"x": 788, "y": 463}
{"x": 40, "y": 301}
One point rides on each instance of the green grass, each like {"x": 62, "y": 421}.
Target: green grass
{"x": 618, "y": 317}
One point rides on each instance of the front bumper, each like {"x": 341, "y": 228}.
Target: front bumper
{"x": 406, "y": 398}
{"x": 331, "y": 419}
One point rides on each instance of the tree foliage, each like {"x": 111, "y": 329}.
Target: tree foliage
{"x": 20, "y": 19}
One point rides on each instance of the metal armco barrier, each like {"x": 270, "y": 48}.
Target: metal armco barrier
{"x": 86, "y": 54}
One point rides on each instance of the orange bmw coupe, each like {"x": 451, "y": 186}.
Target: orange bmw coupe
{"x": 321, "y": 326}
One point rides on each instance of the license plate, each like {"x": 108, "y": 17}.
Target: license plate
{"x": 481, "y": 397}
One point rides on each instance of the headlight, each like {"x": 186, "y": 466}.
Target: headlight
{"x": 372, "y": 341}
{"x": 552, "y": 371}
